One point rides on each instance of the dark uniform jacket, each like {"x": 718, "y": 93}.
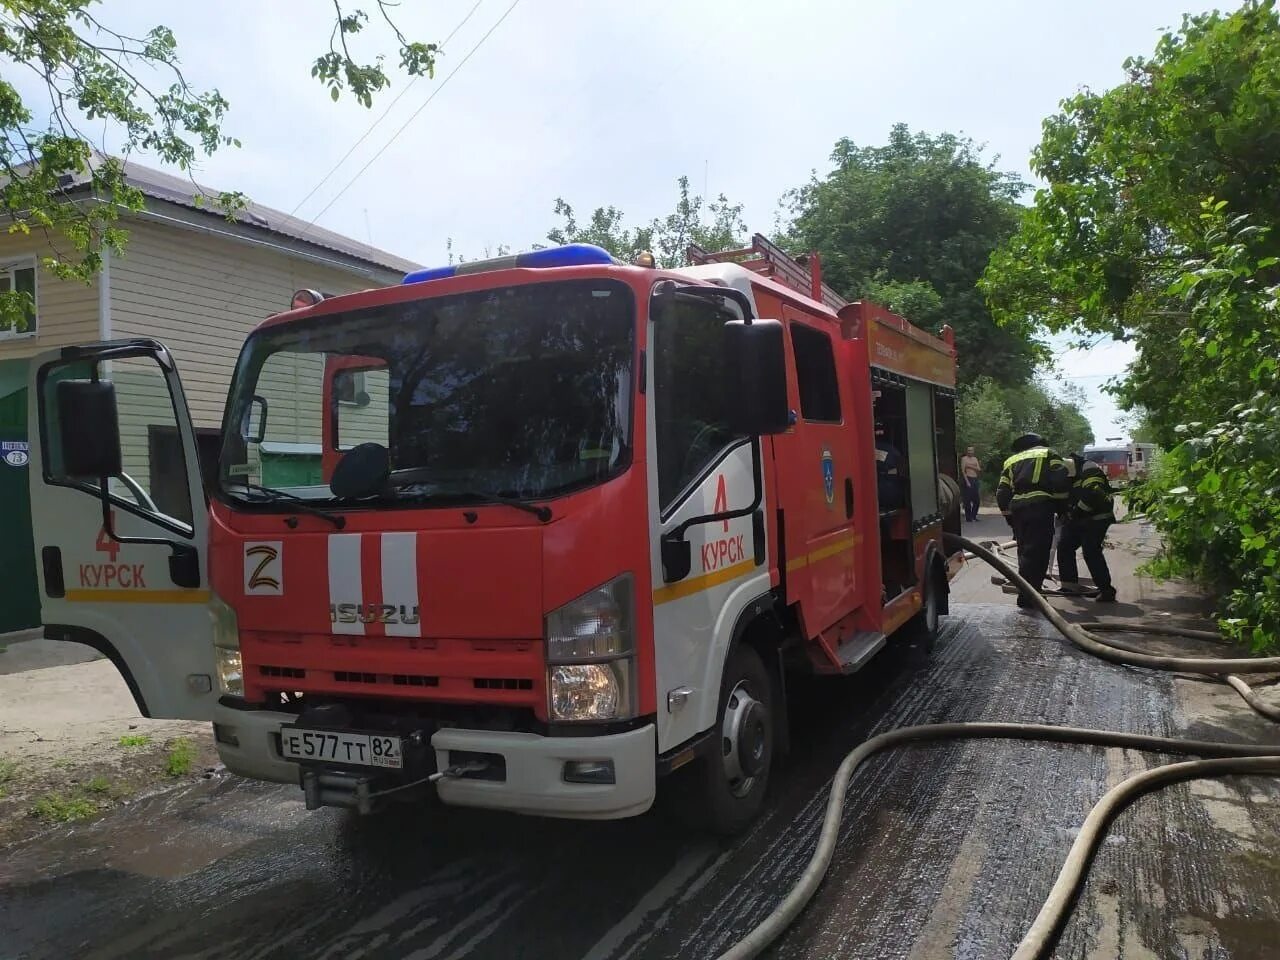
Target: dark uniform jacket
{"x": 1091, "y": 495}
{"x": 890, "y": 483}
{"x": 1037, "y": 475}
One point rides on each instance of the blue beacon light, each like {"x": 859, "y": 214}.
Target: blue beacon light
{"x": 569, "y": 255}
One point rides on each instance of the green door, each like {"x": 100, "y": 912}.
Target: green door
{"x": 19, "y": 596}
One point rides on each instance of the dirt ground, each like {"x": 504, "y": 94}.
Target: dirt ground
{"x": 73, "y": 746}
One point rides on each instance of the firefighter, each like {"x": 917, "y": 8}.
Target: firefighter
{"x": 890, "y": 482}
{"x": 1084, "y": 528}
{"x": 1034, "y": 488}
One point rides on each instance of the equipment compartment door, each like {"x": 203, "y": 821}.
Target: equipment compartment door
{"x": 145, "y": 605}
{"x": 921, "y": 451}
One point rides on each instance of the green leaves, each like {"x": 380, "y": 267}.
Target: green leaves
{"x": 339, "y": 70}
{"x": 1156, "y": 225}
{"x": 1129, "y": 169}
{"x": 989, "y": 417}
{"x": 134, "y": 86}
{"x": 920, "y": 214}
{"x": 713, "y": 226}
{"x": 1215, "y": 498}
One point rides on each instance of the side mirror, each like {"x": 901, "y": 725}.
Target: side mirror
{"x": 88, "y": 429}
{"x": 254, "y": 430}
{"x": 756, "y": 355}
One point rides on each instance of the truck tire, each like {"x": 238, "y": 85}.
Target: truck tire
{"x": 950, "y": 500}
{"x": 923, "y": 627}
{"x": 723, "y": 791}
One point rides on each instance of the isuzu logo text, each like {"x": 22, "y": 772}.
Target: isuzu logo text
{"x": 372, "y": 613}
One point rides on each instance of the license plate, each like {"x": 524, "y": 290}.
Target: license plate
{"x": 362, "y": 749}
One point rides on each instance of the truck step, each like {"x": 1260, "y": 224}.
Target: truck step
{"x": 858, "y": 649}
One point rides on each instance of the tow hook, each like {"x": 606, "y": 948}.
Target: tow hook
{"x": 339, "y": 788}
{"x": 459, "y": 770}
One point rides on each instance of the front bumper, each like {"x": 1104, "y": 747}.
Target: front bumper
{"x": 255, "y": 752}
{"x": 534, "y": 781}
{"x": 534, "y": 766}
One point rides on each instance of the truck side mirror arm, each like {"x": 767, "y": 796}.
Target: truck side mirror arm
{"x": 184, "y": 560}
{"x": 677, "y": 559}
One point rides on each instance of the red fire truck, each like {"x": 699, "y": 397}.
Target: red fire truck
{"x": 533, "y": 533}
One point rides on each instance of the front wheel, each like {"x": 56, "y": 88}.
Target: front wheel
{"x": 724, "y": 790}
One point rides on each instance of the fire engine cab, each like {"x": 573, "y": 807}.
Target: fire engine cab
{"x": 536, "y": 533}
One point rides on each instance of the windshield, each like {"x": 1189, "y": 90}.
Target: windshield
{"x": 1107, "y": 456}
{"x": 520, "y": 391}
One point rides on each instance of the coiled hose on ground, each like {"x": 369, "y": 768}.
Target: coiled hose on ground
{"x": 1221, "y": 759}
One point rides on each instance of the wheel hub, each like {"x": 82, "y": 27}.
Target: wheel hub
{"x": 744, "y": 740}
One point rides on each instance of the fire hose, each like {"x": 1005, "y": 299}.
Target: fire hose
{"x": 1219, "y": 759}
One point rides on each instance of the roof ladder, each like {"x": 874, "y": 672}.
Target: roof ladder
{"x": 769, "y": 260}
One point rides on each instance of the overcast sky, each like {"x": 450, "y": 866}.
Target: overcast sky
{"x": 608, "y": 103}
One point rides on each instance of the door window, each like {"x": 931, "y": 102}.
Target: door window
{"x": 816, "y": 374}
{"x": 153, "y": 481}
{"x": 365, "y": 416}
{"x": 693, "y": 388}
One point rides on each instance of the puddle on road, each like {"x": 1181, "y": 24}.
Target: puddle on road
{"x": 164, "y": 836}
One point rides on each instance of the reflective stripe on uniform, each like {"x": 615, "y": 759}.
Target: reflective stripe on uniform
{"x": 1038, "y": 495}
{"x": 1026, "y": 455}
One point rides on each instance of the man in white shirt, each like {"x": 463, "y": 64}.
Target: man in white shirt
{"x": 970, "y": 471}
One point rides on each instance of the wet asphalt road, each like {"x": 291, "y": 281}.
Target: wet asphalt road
{"x": 946, "y": 850}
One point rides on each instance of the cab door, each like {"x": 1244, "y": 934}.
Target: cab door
{"x": 816, "y": 469}
{"x": 126, "y": 570}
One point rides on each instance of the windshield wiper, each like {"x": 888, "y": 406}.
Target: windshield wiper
{"x": 272, "y": 495}
{"x": 412, "y": 476}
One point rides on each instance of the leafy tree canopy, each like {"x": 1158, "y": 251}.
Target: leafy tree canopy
{"x": 716, "y": 225}
{"x": 914, "y": 222}
{"x": 990, "y": 416}
{"x": 1216, "y": 495}
{"x": 1157, "y": 225}
{"x": 1126, "y": 172}
{"x": 89, "y": 73}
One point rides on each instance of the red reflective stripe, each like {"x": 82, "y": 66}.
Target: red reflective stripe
{"x": 371, "y": 583}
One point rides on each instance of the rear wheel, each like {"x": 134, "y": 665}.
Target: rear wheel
{"x": 950, "y": 501}
{"x": 724, "y": 790}
{"x": 923, "y": 627}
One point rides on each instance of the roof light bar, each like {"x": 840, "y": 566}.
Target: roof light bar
{"x": 569, "y": 255}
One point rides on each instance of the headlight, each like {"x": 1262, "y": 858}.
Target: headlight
{"x": 226, "y": 647}
{"x": 591, "y": 655}
{"x": 585, "y": 691}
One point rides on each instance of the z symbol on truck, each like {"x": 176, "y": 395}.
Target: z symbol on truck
{"x": 263, "y": 570}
